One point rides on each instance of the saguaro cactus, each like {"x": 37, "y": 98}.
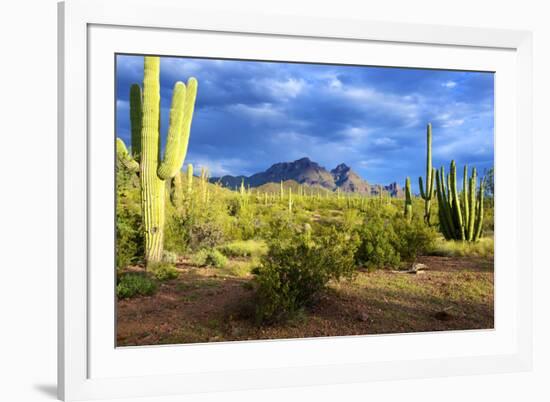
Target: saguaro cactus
{"x": 408, "y": 200}
{"x": 189, "y": 179}
{"x": 154, "y": 171}
{"x": 460, "y": 220}
{"x": 427, "y": 192}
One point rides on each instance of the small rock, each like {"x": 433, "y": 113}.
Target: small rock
{"x": 363, "y": 317}
{"x": 417, "y": 266}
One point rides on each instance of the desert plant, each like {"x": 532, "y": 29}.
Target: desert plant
{"x": 413, "y": 238}
{"x": 378, "y": 243}
{"x": 144, "y": 119}
{"x": 163, "y": 271}
{"x": 427, "y": 192}
{"x": 408, "y": 200}
{"x": 295, "y": 269}
{"x": 460, "y": 220}
{"x": 135, "y": 284}
{"x": 209, "y": 257}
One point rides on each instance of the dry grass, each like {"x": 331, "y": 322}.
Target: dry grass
{"x": 455, "y": 248}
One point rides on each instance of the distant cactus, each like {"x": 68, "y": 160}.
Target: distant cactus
{"x": 154, "y": 171}
{"x": 189, "y": 179}
{"x": 460, "y": 220}
{"x": 427, "y": 192}
{"x": 290, "y": 199}
{"x": 408, "y": 200}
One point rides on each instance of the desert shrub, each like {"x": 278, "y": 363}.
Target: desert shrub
{"x": 129, "y": 228}
{"x": 209, "y": 257}
{"x": 297, "y": 267}
{"x": 243, "y": 248}
{"x": 163, "y": 271}
{"x": 350, "y": 219}
{"x": 206, "y": 234}
{"x": 378, "y": 240}
{"x": 135, "y": 284}
{"x": 413, "y": 238}
{"x": 169, "y": 257}
{"x": 176, "y": 232}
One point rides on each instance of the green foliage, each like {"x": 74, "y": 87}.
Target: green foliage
{"x": 243, "y": 248}
{"x": 163, "y": 271}
{"x": 169, "y": 257}
{"x": 296, "y": 269}
{"x": 209, "y": 257}
{"x": 379, "y": 243}
{"x": 135, "y": 284}
{"x": 413, "y": 238}
{"x": 129, "y": 233}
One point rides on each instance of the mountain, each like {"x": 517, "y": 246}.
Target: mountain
{"x": 310, "y": 173}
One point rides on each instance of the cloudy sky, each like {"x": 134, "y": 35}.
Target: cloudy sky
{"x": 250, "y": 115}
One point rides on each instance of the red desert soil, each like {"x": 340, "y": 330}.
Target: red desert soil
{"x": 203, "y": 305}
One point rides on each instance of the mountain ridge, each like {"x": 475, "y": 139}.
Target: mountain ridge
{"x": 308, "y": 172}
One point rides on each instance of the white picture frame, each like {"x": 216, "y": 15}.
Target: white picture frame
{"x": 89, "y": 365}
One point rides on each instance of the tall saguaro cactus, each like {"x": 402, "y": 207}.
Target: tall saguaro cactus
{"x": 408, "y": 200}
{"x": 427, "y": 192}
{"x": 154, "y": 171}
{"x": 460, "y": 220}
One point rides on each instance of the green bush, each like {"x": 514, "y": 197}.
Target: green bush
{"x": 378, "y": 240}
{"x": 169, "y": 257}
{"x": 243, "y": 248}
{"x": 129, "y": 228}
{"x": 206, "y": 234}
{"x": 413, "y": 238}
{"x": 135, "y": 284}
{"x": 296, "y": 268}
{"x": 163, "y": 271}
{"x": 209, "y": 257}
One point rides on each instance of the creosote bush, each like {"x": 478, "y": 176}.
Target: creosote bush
{"x": 133, "y": 284}
{"x": 209, "y": 257}
{"x": 163, "y": 271}
{"x": 413, "y": 238}
{"x": 298, "y": 266}
{"x": 378, "y": 243}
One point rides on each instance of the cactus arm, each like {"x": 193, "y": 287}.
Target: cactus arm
{"x": 429, "y": 181}
{"x": 456, "y": 202}
{"x": 181, "y": 115}
{"x": 169, "y": 166}
{"x": 124, "y": 157}
{"x": 465, "y": 200}
{"x": 479, "y": 219}
{"x": 421, "y": 186}
{"x": 473, "y": 208}
{"x": 445, "y": 205}
{"x": 408, "y": 200}
{"x": 136, "y": 115}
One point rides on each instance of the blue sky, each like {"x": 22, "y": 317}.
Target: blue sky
{"x": 250, "y": 115}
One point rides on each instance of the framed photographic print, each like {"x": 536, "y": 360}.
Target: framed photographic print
{"x": 256, "y": 201}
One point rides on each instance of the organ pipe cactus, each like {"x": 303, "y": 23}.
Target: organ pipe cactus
{"x": 408, "y": 200}
{"x": 427, "y": 191}
{"x": 154, "y": 171}
{"x": 460, "y": 219}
